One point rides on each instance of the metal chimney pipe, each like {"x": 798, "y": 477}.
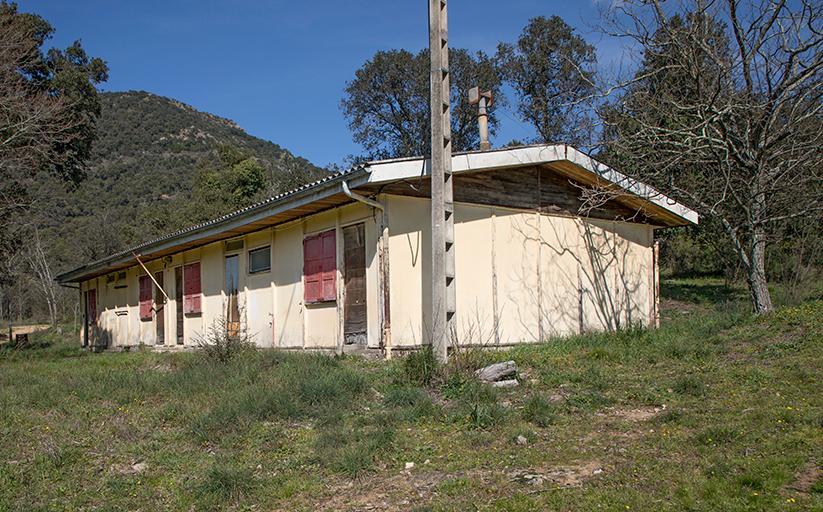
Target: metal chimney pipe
{"x": 483, "y": 100}
{"x": 483, "y": 125}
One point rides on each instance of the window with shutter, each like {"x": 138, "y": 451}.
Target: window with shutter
{"x": 191, "y": 288}
{"x": 320, "y": 267}
{"x": 145, "y": 297}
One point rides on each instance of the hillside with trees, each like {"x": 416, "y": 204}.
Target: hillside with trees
{"x": 147, "y": 158}
{"x": 157, "y": 165}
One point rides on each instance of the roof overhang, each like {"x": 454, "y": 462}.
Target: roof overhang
{"x": 328, "y": 193}
{"x": 559, "y": 157}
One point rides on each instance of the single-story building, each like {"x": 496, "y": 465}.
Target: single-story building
{"x": 346, "y": 260}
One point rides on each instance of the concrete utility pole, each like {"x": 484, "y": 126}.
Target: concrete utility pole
{"x": 443, "y": 298}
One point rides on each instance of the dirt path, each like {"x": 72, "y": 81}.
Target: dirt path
{"x": 20, "y": 329}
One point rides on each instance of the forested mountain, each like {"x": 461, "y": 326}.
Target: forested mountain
{"x": 152, "y": 164}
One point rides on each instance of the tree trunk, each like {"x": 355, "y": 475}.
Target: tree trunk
{"x": 756, "y": 274}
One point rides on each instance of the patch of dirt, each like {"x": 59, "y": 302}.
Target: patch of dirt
{"x": 674, "y": 307}
{"x": 635, "y": 415}
{"x": 560, "y": 394}
{"x": 408, "y": 489}
{"x": 563, "y": 476}
{"x": 129, "y": 469}
{"x": 22, "y": 329}
{"x": 398, "y": 492}
{"x": 806, "y": 478}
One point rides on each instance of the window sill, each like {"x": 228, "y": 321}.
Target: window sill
{"x": 321, "y": 302}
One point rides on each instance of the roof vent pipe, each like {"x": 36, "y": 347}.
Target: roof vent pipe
{"x": 483, "y": 100}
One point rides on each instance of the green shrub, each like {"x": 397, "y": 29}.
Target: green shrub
{"x": 334, "y": 386}
{"x": 226, "y": 481}
{"x": 587, "y": 400}
{"x": 312, "y": 386}
{"x": 216, "y": 344}
{"x": 412, "y": 403}
{"x": 670, "y": 416}
{"x": 539, "y": 411}
{"x": 478, "y": 405}
{"x": 716, "y": 435}
{"x": 453, "y": 386}
{"x": 689, "y": 385}
{"x": 420, "y": 367}
{"x": 594, "y": 378}
{"x": 353, "y": 449}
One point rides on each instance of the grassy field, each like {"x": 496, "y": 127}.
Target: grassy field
{"x": 716, "y": 410}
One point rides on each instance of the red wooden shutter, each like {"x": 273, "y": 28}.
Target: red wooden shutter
{"x": 319, "y": 267}
{"x": 191, "y": 288}
{"x": 329, "y": 266}
{"x": 91, "y": 299}
{"x": 312, "y": 268}
{"x": 145, "y": 297}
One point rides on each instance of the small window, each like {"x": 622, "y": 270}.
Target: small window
{"x": 260, "y": 260}
{"x": 234, "y": 245}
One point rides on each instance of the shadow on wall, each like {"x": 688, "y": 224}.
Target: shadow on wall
{"x": 596, "y": 275}
{"x": 534, "y": 276}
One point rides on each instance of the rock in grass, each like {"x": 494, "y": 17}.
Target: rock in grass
{"x": 510, "y": 383}
{"x": 497, "y": 371}
{"x": 521, "y": 440}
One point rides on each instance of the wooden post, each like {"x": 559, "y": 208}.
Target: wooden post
{"x": 656, "y": 284}
{"x": 443, "y": 298}
{"x": 383, "y": 281}
{"x": 341, "y": 283}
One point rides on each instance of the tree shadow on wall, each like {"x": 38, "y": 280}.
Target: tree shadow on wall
{"x": 591, "y": 279}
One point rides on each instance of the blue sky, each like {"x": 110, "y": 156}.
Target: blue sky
{"x": 279, "y": 68}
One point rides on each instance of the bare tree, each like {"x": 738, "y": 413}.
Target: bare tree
{"x": 48, "y": 113}
{"x": 41, "y": 270}
{"x": 725, "y": 114}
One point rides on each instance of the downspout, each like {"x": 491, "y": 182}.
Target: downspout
{"x": 383, "y": 256}
{"x": 362, "y": 199}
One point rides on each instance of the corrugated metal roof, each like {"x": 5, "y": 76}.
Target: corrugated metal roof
{"x": 261, "y": 205}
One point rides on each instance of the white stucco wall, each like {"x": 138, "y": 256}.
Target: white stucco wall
{"x": 544, "y": 275}
{"x": 271, "y": 302}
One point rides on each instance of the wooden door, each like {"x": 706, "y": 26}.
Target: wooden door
{"x": 159, "y": 309}
{"x": 232, "y": 293}
{"x": 91, "y": 318}
{"x": 354, "y": 281}
{"x": 178, "y": 303}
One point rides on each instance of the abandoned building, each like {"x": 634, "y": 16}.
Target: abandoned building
{"x": 344, "y": 261}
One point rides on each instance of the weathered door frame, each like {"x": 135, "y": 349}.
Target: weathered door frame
{"x": 361, "y": 227}
{"x": 179, "y": 315}
{"x": 159, "y": 308}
